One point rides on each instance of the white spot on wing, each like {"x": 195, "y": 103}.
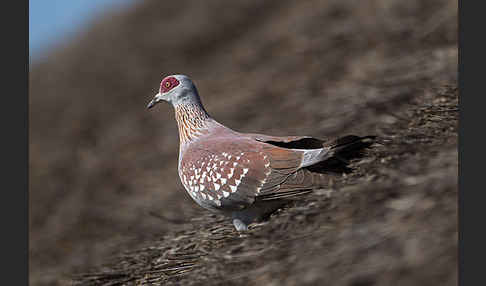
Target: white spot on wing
{"x": 233, "y": 188}
{"x": 226, "y": 194}
{"x": 216, "y": 186}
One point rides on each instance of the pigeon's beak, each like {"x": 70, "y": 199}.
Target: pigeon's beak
{"x": 154, "y": 101}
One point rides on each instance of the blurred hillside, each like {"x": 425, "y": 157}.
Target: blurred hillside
{"x": 103, "y": 169}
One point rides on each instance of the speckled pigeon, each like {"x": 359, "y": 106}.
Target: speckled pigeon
{"x": 245, "y": 176}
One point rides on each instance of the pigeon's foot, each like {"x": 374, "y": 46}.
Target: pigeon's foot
{"x": 254, "y": 214}
{"x": 240, "y": 225}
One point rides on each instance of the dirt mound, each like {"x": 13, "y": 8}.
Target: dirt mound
{"x": 103, "y": 169}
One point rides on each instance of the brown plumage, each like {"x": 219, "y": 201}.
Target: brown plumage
{"x": 246, "y": 176}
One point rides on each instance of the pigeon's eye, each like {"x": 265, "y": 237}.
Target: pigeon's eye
{"x": 168, "y": 83}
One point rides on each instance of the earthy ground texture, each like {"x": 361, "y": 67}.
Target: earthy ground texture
{"x": 106, "y": 204}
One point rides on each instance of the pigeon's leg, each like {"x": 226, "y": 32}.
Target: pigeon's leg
{"x": 254, "y": 213}
{"x": 241, "y": 219}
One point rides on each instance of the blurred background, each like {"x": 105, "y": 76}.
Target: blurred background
{"x": 54, "y": 22}
{"x": 103, "y": 169}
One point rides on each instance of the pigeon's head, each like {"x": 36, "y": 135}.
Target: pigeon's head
{"x": 176, "y": 89}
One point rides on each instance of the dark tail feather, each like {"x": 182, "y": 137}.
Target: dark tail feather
{"x": 344, "y": 149}
{"x": 350, "y": 142}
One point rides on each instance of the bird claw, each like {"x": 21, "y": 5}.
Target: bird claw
{"x": 239, "y": 225}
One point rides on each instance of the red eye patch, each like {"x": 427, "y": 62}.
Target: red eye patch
{"x": 168, "y": 83}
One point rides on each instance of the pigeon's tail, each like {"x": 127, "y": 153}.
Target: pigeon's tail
{"x": 339, "y": 152}
{"x": 349, "y": 144}
{"x": 340, "y": 148}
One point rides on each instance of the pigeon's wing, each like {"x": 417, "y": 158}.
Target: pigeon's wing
{"x": 231, "y": 173}
{"x": 287, "y": 176}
